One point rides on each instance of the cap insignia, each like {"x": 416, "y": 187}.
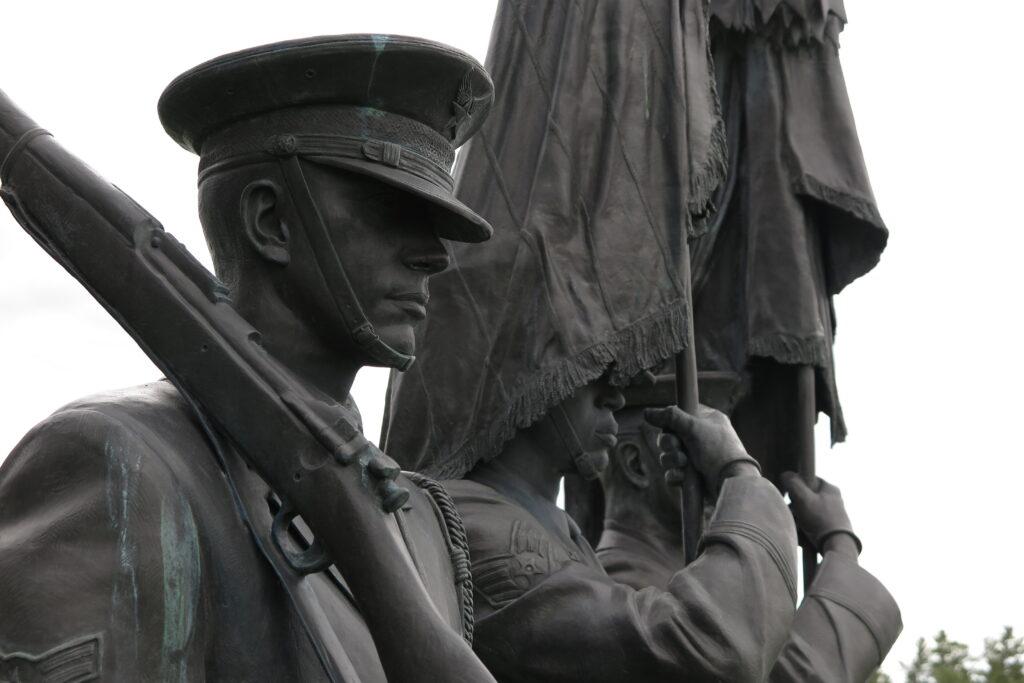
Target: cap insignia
{"x": 462, "y": 106}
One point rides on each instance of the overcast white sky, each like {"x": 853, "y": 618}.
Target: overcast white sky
{"x": 927, "y": 350}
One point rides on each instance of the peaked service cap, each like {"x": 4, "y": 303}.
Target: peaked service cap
{"x": 390, "y": 107}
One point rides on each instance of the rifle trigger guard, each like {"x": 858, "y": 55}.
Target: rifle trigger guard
{"x": 309, "y": 561}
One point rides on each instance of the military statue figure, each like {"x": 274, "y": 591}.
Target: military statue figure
{"x": 847, "y": 621}
{"x": 603, "y": 148}
{"x": 547, "y": 610}
{"x": 150, "y": 533}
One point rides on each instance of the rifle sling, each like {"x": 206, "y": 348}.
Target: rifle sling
{"x": 333, "y": 272}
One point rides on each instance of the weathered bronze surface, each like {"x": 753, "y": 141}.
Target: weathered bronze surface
{"x": 231, "y": 521}
{"x": 236, "y": 525}
{"x": 847, "y": 620}
{"x": 547, "y": 610}
{"x": 532, "y": 395}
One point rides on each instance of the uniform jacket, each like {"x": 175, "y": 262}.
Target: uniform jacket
{"x": 547, "y": 611}
{"x": 124, "y": 554}
{"x": 843, "y": 629}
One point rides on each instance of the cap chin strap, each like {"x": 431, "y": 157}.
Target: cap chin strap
{"x": 585, "y": 466}
{"x": 345, "y": 300}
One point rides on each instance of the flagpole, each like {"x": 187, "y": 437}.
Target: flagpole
{"x": 687, "y": 399}
{"x": 806, "y": 415}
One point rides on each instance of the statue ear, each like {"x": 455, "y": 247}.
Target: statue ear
{"x": 632, "y": 465}
{"x": 263, "y": 220}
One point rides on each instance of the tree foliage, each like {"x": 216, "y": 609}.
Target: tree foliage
{"x": 1004, "y": 657}
{"x": 948, "y": 661}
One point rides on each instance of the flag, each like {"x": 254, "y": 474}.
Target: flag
{"x": 594, "y": 168}
{"x": 797, "y": 220}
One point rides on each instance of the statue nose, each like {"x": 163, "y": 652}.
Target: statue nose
{"x": 613, "y": 399}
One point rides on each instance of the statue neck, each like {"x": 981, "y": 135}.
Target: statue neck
{"x": 329, "y": 370}
{"x": 527, "y": 465}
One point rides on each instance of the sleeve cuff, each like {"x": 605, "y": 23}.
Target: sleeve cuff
{"x": 849, "y": 585}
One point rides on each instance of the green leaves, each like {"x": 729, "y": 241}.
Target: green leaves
{"x": 1004, "y": 657}
{"x": 950, "y": 661}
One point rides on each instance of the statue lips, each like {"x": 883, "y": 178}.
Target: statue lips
{"x": 607, "y": 438}
{"x": 413, "y": 303}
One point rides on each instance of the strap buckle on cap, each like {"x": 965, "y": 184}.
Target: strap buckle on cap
{"x": 282, "y": 145}
{"x": 340, "y": 146}
{"x": 388, "y": 153}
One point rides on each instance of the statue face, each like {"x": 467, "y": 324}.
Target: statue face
{"x": 387, "y": 247}
{"x": 591, "y": 410}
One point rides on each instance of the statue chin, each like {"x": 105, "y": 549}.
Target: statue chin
{"x": 600, "y": 459}
{"x": 597, "y": 461}
{"x": 400, "y": 337}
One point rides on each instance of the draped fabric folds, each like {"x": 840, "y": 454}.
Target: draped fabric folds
{"x": 797, "y": 220}
{"x": 598, "y": 160}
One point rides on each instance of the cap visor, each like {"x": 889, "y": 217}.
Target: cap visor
{"x": 457, "y": 222}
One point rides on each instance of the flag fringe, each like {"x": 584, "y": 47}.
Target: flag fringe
{"x": 858, "y": 207}
{"x": 792, "y": 24}
{"x": 715, "y": 167}
{"x": 791, "y": 350}
{"x": 642, "y": 345}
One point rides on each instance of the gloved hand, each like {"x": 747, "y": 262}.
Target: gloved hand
{"x": 707, "y": 440}
{"x": 818, "y": 511}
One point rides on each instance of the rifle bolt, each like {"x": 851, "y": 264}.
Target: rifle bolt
{"x": 395, "y": 496}
{"x": 384, "y": 468}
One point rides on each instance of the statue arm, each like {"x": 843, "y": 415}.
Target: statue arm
{"x": 725, "y": 617}
{"x": 843, "y": 629}
{"x": 99, "y": 556}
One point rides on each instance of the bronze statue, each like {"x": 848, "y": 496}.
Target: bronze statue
{"x": 847, "y": 621}
{"x": 547, "y": 610}
{"x": 232, "y": 523}
{"x": 595, "y": 169}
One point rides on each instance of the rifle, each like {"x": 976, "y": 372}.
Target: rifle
{"x": 305, "y": 446}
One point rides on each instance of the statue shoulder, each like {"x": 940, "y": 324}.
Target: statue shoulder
{"x": 116, "y": 430}
{"x": 99, "y": 511}
{"x": 510, "y": 551}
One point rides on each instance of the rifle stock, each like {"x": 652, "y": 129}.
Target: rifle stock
{"x": 305, "y": 446}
